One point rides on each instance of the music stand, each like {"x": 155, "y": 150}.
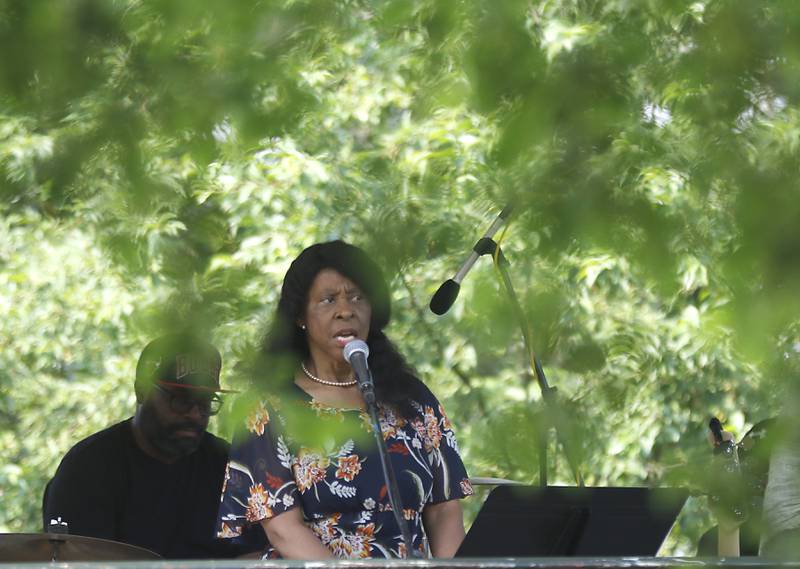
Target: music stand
{"x": 560, "y": 521}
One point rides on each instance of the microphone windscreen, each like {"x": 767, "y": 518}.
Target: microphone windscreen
{"x": 354, "y": 346}
{"x": 445, "y": 297}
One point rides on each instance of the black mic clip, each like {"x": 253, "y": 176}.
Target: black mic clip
{"x": 488, "y": 246}
{"x": 368, "y": 389}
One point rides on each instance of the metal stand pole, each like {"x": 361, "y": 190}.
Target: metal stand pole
{"x": 391, "y": 481}
{"x": 555, "y": 417}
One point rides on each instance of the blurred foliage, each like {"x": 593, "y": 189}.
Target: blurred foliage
{"x": 163, "y": 161}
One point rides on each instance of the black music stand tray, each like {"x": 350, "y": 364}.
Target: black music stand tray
{"x": 560, "y": 521}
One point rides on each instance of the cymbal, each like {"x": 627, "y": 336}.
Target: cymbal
{"x": 64, "y": 547}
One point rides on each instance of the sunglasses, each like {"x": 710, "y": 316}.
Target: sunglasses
{"x": 182, "y": 403}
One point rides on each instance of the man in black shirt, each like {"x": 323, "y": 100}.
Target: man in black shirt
{"x": 153, "y": 480}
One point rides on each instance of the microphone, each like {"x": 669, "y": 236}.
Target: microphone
{"x": 447, "y": 293}
{"x": 356, "y": 353}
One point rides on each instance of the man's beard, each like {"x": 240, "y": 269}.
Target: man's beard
{"x": 162, "y": 436}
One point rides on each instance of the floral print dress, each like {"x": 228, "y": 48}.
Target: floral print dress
{"x": 333, "y": 472}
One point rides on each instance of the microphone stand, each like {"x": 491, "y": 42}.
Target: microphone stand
{"x": 388, "y": 472}
{"x": 555, "y": 417}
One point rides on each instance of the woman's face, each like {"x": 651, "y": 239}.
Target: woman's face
{"x": 337, "y": 312}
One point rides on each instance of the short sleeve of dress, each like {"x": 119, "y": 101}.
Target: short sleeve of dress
{"x": 450, "y": 480}
{"x": 258, "y": 478}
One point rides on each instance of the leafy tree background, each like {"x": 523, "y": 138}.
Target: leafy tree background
{"x": 163, "y": 161}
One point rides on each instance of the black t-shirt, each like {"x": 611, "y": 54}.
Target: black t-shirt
{"x": 107, "y": 487}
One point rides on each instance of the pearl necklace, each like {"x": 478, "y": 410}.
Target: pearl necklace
{"x": 313, "y": 377}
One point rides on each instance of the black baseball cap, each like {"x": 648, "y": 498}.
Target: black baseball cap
{"x": 180, "y": 361}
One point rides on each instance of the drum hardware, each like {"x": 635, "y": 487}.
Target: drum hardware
{"x": 53, "y": 546}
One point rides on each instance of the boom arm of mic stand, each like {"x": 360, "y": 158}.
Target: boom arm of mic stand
{"x": 548, "y": 393}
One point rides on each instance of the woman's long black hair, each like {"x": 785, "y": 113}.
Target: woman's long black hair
{"x": 286, "y": 342}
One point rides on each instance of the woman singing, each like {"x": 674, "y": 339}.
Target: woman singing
{"x": 307, "y": 468}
